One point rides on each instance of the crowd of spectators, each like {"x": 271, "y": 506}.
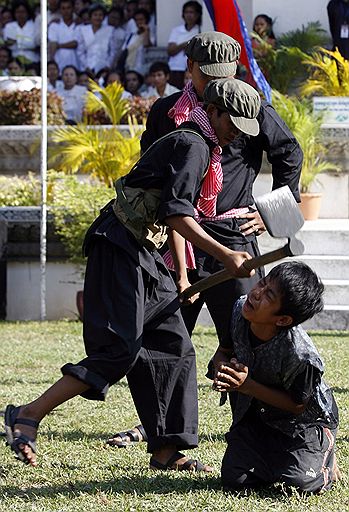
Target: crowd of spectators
{"x": 87, "y": 41}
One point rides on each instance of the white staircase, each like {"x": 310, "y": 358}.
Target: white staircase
{"x": 326, "y": 244}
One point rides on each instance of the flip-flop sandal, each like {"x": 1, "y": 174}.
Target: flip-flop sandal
{"x": 190, "y": 465}
{"x": 11, "y": 419}
{"x": 128, "y": 438}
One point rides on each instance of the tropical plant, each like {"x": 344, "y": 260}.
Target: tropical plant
{"x": 306, "y": 38}
{"x": 329, "y": 74}
{"x": 20, "y": 191}
{"x": 74, "y": 205}
{"x": 103, "y": 153}
{"x": 306, "y": 127}
{"x": 24, "y": 108}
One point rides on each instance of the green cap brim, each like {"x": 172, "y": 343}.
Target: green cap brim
{"x": 246, "y": 125}
{"x": 219, "y": 69}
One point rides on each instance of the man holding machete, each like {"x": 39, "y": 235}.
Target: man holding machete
{"x": 130, "y": 300}
{"x": 235, "y": 224}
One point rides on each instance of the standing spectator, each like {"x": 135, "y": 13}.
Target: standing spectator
{"x": 53, "y": 11}
{"x": 130, "y": 8}
{"x": 5, "y": 17}
{"x": 79, "y": 5}
{"x": 160, "y": 74}
{"x": 338, "y": 17}
{"x": 95, "y": 42}
{"x": 179, "y": 36}
{"x": 148, "y": 5}
{"x": 73, "y": 95}
{"x": 62, "y": 37}
{"x": 136, "y": 42}
{"x": 53, "y": 75}
{"x": 133, "y": 82}
{"x": 21, "y": 35}
{"x": 115, "y": 20}
{"x": 5, "y": 57}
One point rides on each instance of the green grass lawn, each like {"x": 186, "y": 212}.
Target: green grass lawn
{"x": 77, "y": 472}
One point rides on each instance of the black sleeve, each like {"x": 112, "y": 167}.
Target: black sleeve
{"x": 283, "y": 151}
{"x": 304, "y": 384}
{"x": 185, "y": 171}
{"x": 331, "y": 18}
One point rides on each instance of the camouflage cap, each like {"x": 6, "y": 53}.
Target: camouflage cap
{"x": 215, "y": 52}
{"x": 240, "y": 100}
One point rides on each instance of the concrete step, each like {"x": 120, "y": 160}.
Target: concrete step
{"x": 336, "y": 291}
{"x": 323, "y": 236}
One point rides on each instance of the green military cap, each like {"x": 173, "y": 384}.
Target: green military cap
{"x": 215, "y": 52}
{"x": 240, "y": 100}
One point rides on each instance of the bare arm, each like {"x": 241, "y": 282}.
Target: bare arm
{"x": 192, "y": 231}
{"x": 234, "y": 376}
{"x": 173, "y": 48}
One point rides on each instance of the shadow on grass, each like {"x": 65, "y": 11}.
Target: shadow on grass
{"x": 135, "y": 484}
{"x": 340, "y": 390}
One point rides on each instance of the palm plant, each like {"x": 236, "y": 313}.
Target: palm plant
{"x": 306, "y": 38}
{"x": 306, "y": 127}
{"x": 104, "y": 153}
{"x": 330, "y": 74}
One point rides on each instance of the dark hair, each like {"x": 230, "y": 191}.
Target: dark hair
{"x": 139, "y": 76}
{"x": 159, "y": 66}
{"x": 6, "y": 49}
{"x": 144, "y": 12}
{"x": 269, "y": 22}
{"x": 71, "y": 2}
{"x": 52, "y": 63}
{"x": 111, "y": 72}
{"x": 96, "y": 7}
{"x": 72, "y": 67}
{"x": 300, "y": 290}
{"x": 22, "y": 3}
{"x": 195, "y": 5}
{"x": 17, "y": 61}
{"x": 118, "y": 10}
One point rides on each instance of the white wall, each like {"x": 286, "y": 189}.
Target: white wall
{"x": 288, "y": 14}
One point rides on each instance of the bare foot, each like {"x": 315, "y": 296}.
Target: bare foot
{"x": 123, "y": 439}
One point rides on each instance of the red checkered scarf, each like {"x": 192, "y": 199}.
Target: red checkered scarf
{"x": 188, "y": 108}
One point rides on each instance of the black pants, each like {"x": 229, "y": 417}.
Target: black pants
{"x": 258, "y": 455}
{"x": 128, "y": 314}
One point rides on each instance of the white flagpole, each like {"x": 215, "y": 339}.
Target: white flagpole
{"x": 43, "y": 161}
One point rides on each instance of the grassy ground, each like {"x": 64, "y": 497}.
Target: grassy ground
{"x": 77, "y": 473}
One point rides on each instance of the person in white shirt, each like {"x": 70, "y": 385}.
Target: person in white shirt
{"x": 111, "y": 78}
{"x": 130, "y": 8}
{"x": 160, "y": 75}
{"x": 53, "y": 82}
{"x": 21, "y": 35}
{"x": 74, "y": 96}
{"x": 5, "y": 57}
{"x": 149, "y": 6}
{"x": 96, "y": 45}
{"x": 62, "y": 37}
{"x": 133, "y": 83}
{"x": 136, "y": 42}
{"x": 115, "y": 20}
{"x": 179, "y": 37}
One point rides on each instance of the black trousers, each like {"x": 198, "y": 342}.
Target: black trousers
{"x": 258, "y": 455}
{"x": 130, "y": 316}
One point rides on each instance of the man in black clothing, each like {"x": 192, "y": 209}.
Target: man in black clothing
{"x": 214, "y": 54}
{"x": 130, "y": 301}
{"x": 338, "y": 17}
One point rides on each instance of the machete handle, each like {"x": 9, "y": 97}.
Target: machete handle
{"x": 225, "y": 275}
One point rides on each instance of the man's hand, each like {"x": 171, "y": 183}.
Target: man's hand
{"x": 230, "y": 376}
{"x": 183, "y": 284}
{"x": 234, "y": 262}
{"x": 254, "y": 224}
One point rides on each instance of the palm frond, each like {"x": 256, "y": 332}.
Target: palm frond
{"x": 108, "y": 99}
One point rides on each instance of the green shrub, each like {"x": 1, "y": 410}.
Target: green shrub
{"x": 20, "y": 191}
{"x": 24, "y": 108}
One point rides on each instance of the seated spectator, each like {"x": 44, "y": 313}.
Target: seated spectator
{"x": 263, "y": 26}
{"x": 62, "y": 37}
{"x": 160, "y": 73}
{"x": 74, "y": 96}
{"x": 95, "y": 42}
{"x": 84, "y": 79}
{"x": 116, "y": 20}
{"x": 21, "y": 35}
{"x": 179, "y": 36}
{"x": 5, "y": 57}
{"x": 111, "y": 78}
{"x": 33, "y": 69}
{"x": 133, "y": 82}
{"x": 133, "y": 48}
{"x": 16, "y": 67}
{"x": 53, "y": 82}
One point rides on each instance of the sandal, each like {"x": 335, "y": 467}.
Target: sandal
{"x": 11, "y": 419}
{"x": 189, "y": 465}
{"x": 128, "y": 438}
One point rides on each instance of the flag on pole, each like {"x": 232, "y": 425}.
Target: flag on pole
{"x": 226, "y": 17}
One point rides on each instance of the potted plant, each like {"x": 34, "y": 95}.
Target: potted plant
{"x": 306, "y": 126}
